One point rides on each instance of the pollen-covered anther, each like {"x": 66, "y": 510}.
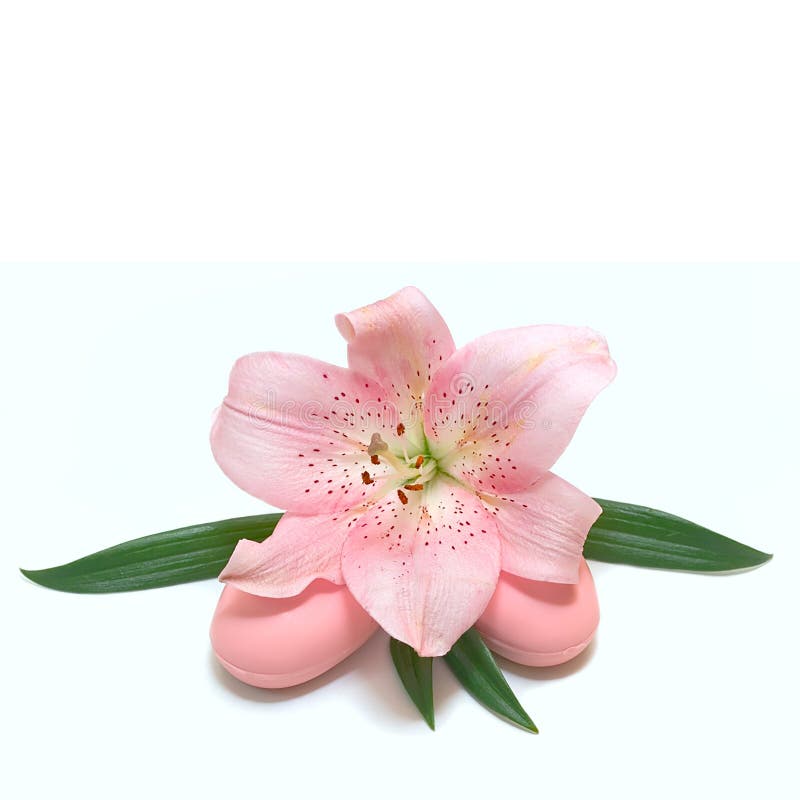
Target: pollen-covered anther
{"x": 374, "y": 459}
{"x": 401, "y": 429}
{"x": 403, "y": 496}
{"x": 366, "y": 478}
{"x": 418, "y": 462}
{"x": 414, "y": 487}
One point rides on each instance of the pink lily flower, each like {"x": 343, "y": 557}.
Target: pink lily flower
{"x": 418, "y": 473}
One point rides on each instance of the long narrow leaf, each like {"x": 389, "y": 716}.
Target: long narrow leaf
{"x": 163, "y": 559}
{"x": 476, "y": 670}
{"x": 416, "y": 674}
{"x": 624, "y": 534}
{"x": 644, "y": 537}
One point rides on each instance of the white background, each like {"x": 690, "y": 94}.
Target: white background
{"x": 613, "y": 147}
{"x": 327, "y": 130}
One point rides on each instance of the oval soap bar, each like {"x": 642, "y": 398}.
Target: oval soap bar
{"x": 540, "y": 624}
{"x": 277, "y": 642}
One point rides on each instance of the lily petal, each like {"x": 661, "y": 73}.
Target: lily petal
{"x": 424, "y": 570}
{"x": 294, "y": 431}
{"x": 543, "y": 529}
{"x": 300, "y": 550}
{"x": 398, "y": 342}
{"x": 502, "y": 409}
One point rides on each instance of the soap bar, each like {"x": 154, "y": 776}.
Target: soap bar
{"x": 540, "y": 624}
{"x": 277, "y": 642}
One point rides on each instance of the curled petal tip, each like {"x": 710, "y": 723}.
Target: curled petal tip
{"x": 345, "y": 327}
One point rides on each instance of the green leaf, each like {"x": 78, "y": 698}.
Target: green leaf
{"x": 477, "y": 671}
{"x": 644, "y": 537}
{"x": 163, "y": 559}
{"x": 416, "y": 673}
{"x": 624, "y": 534}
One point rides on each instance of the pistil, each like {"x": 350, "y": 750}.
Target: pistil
{"x": 414, "y": 471}
{"x": 380, "y": 450}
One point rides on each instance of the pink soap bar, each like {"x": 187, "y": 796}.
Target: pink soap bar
{"x": 277, "y": 642}
{"x": 540, "y": 624}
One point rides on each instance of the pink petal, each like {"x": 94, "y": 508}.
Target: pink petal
{"x": 300, "y": 550}
{"x": 502, "y": 409}
{"x": 543, "y": 529}
{"x": 399, "y": 342}
{"x": 425, "y": 570}
{"x": 294, "y": 432}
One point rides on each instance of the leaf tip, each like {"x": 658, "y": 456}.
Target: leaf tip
{"x": 524, "y": 721}
{"x": 758, "y": 559}
{"x": 41, "y": 577}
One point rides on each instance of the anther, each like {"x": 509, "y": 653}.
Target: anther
{"x": 366, "y": 477}
{"x": 401, "y": 429}
{"x": 418, "y": 462}
{"x": 374, "y": 459}
{"x": 414, "y": 487}
{"x": 402, "y": 495}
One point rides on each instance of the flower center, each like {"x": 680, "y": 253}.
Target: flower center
{"x": 413, "y": 468}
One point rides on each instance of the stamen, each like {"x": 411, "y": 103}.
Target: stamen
{"x": 414, "y": 487}
{"x": 402, "y": 495}
{"x": 374, "y": 459}
{"x": 401, "y": 429}
{"x": 365, "y": 476}
{"x": 428, "y": 470}
{"x": 418, "y": 462}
